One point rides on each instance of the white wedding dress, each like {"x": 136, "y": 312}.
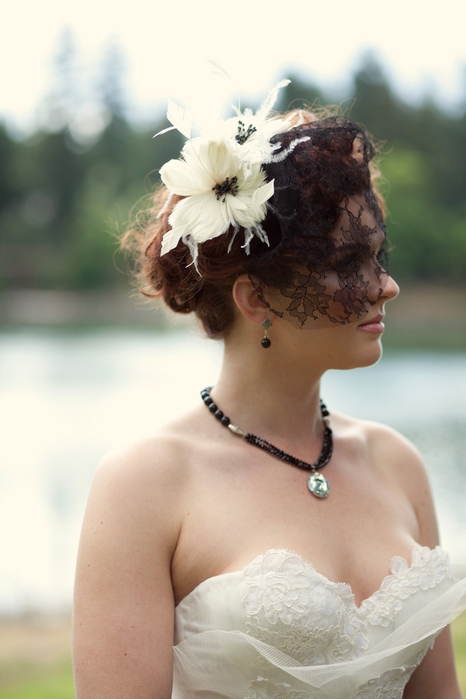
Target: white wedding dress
{"x": 280, "y": 630}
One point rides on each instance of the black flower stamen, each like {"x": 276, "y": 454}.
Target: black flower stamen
{"x": 228, "y": 186}
{"x": 243, "y": 133}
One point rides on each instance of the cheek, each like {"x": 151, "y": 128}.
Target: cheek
{"x": 323, "y": 299}
{"x": 357, "y": 290}
{"x": 348, "y": 295}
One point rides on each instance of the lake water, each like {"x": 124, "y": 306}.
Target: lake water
{"x": 65, "y": 399}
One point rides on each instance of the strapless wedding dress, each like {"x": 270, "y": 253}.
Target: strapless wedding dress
{"x": 280, "y": 630}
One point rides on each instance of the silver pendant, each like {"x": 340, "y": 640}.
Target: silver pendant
{"x": 318, "y": 485}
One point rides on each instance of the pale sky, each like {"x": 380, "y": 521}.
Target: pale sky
{"x": 257, "y": 42}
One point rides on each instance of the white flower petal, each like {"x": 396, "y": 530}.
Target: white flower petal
{"x": 263, "y": 194}
{"x": 247, "y": 215}
{"x": 185, "y": 178}
{"x": 221, "y": 159}
{"x": 237, "y": 203}
{"x": 249, "y": 218}
{"x": 170, "y": 241}
{"x": 200, "y": 217}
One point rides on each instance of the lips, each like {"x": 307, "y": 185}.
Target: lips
{"x": 374, "y": 325}
{"x": 377, "y": 319}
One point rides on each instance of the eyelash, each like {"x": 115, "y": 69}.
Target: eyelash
{"x": 381, "y": 254}
{"x": 347, "y": 260}
{"x": 352, "y": 258}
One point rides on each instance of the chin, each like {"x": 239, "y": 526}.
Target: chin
{"x": 372, "y": 355}
{"x": 357, "y": 358}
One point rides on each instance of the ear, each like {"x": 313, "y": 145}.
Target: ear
{"x": 358, "y": 149}
{"x": 247, "y": 300}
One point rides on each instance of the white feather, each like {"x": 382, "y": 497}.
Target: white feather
{"x": 159, "y": 133}
{"x": 180, "y": 118}
{"x": 271, "y": 98}
{"x": 166, "y": 205}
{"x": 217, "y": 69}
{"x": 248, "y": 236}
{"x": 279, "y": 157}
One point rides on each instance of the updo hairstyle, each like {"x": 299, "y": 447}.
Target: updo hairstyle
{"x": 206, "y": 289}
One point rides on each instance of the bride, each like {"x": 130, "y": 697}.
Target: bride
{"x": 262, "y": 545}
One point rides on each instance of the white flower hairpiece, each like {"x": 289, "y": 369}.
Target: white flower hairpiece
{"x": 220, "y": 176}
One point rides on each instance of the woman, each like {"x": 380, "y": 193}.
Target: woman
{"x": 290, "y": 556}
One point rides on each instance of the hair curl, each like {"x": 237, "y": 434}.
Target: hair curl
{"x": 208, "y": 291}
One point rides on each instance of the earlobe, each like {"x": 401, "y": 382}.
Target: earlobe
{"x": 247, "y": 299}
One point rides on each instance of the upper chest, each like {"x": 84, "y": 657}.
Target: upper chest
{"x": 244, "y": 503}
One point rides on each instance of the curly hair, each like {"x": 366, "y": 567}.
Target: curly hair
{"x": 206, "y": 289}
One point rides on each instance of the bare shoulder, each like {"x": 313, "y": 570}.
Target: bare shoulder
{"x": 142, "y": 490}
{"x": 153, "y": 469}
{"x": 382, "y": 439}
{"x": 137, "y": 466}
{"x": 396, "y": 462}
{"x": 123, "y": 603}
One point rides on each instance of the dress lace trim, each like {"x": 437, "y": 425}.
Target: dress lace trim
{"x": 428, "y": 568}
{"x": 299, "y": 611}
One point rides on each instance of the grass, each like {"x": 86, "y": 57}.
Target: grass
{"x": 35, "y": 658}
{"x": 54, "y": 682}
{"x": 33, "y": 680}
{"x": 458, "y": 629}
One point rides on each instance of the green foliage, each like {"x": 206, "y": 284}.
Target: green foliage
{"x": 424, "y": 167}
{"x": 57, "y": 682}
{"x": 429, "y": 240}
{"x": 458, "y": 628}
{"x": 67, "y": 190}
{"x": 42, "y": 683}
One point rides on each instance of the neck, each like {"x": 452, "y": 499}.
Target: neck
{"x": 262, "y": 392}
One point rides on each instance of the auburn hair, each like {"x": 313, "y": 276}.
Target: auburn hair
{"x": 204, "y": 289}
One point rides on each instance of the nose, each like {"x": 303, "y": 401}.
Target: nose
{"x": 391, "y": 290}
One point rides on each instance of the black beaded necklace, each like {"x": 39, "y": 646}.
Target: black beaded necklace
{"x": 317, "y": 483}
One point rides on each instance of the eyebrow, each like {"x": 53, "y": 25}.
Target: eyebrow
{"x": 375, "y": 243}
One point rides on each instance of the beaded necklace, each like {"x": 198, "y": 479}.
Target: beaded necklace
{"x": 317, "y": 483}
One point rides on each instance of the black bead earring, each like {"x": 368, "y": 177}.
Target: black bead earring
{"x": 265, "y": 342}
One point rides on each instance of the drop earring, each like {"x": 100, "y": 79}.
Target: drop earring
{"x": 265, "y": 342}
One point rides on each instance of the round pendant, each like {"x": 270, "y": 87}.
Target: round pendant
{"x": 318, "y": 485}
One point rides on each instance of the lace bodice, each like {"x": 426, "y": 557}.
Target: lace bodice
{"x": 278, "y": 629}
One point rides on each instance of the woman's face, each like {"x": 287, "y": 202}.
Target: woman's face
{"x": 355, "y": 344}
{"x": 355, "y": 276}
{"x": 346, "y": 297}
{"x": 341, "y": 278}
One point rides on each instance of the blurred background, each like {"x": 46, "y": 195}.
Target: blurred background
{"x": 85, "y": 364}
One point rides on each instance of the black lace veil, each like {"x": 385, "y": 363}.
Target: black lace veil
{"x": 326, "y": 262}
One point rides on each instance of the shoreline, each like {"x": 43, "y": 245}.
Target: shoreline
{"x": 423, "y": 316}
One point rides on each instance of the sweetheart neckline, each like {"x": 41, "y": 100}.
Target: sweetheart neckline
{"x": 307, "y": 564}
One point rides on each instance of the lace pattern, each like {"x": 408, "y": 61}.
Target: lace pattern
{"x": 293, "y": 608}
{"x": 298, "y": 611}
{"x": 327, "y": 257}
{"x": 262, "y": 688}
{"x": 429, "y": 567}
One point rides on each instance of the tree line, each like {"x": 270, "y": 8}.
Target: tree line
{"x": 65, "y": 192}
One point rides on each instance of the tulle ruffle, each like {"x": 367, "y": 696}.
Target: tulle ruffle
{"x": 234, "y": 664}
